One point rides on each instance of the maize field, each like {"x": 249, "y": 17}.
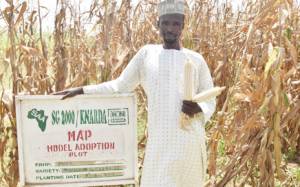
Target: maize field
{"x": 253, "y": 138}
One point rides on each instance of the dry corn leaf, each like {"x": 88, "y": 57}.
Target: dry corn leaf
{"x": 12, "y": 143}
{"x": 21, "y": 13}
{"x": 6, "y": 13}
{"x": 269, "y": 8}
{"x": 292, "y": 50}
{"x": 242, "y": 97}
{"x": 290, "y": 73}
{"x": 273, "y": 56}
{"x": 213, "y": 153}
{"x": 32, "y": 16}
{"x": 10, "y": 2}
{"x": 30, "y": 51}
{"x": 277, "y": 146}
{"x": 4, "y": 65}
{"x": 7, "y": 99}
{"x": 290, "y": 2}
{"x": 120, "y": 57}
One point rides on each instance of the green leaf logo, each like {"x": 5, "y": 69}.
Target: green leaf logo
{"x": 39, "y": 116}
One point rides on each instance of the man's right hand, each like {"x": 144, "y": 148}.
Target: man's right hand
{"x": 70, "y": 92}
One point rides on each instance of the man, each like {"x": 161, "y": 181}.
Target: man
{"x": 174, "y": 157}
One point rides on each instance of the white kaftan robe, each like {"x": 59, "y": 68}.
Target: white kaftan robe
{"x": 174, "y": 157}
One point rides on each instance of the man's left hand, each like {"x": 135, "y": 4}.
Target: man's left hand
{"x": 190, "y": 108}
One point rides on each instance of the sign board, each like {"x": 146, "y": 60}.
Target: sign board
{"x": 87, "y": 140}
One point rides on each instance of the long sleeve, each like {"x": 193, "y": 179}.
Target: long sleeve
{"x": 126, "y": 82}
{"x": 205, "y": 83}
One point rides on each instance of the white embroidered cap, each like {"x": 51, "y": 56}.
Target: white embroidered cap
{"x": 171, "y": 7}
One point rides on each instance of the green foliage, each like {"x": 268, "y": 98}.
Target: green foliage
{"x": 221, "y": 148}
{"x": 291, "y": 154}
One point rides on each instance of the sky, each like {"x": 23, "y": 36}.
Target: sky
{"x": 48, "y": 22}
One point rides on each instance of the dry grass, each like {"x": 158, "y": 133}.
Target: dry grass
{"x": 254, "y": 52}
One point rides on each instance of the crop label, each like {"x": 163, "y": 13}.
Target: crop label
{"x": 85, "y": 139}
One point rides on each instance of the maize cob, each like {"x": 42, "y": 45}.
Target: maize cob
{"x": 188, "y": 81}
{"x": 188, "y": 94}
{"x": 208, "y": 94}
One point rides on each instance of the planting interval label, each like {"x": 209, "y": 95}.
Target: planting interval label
{"x": 87, "y": 140}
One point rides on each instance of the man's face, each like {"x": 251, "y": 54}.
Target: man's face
{"x": 170, "y": 27}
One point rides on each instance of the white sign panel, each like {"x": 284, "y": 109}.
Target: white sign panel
{"x": 85, "y": 140}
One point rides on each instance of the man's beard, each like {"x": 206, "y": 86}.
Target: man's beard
{"x": 170, "y": 41}
{"x": 170, "y": 38}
